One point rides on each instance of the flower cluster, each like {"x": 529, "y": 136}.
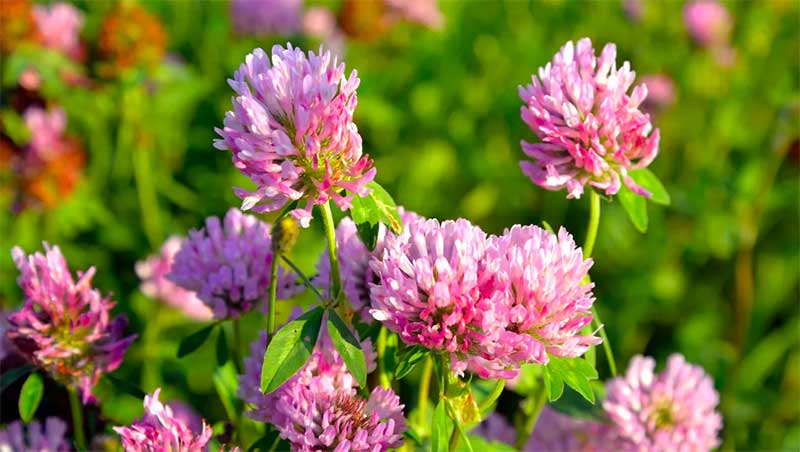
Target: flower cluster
{"x": 708, "y": 22}
{"x": 265, "y": 17}
{"x": 153, "y": 272}
{"x": 130, "y": 36}
{"x": 491, "y": 303}
{"x": 159, "y": 430}
{"x": 227, "y": 264}
{"x": 291, "y": 132}
{"x": 319, "y": 407}
{"x": 592, "y": 131}
{"x": 556, "y": 432}
{"x": 36, "y": 437}
{"x": 672, "y": 410}
{"x": 354, "y": 268}
{"x": 59, "y": 26}
{"x": 64, "y": 326}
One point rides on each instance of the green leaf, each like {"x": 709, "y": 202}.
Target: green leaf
{"x": 222, "y": 348}
{"x": 440, "y": 432}
{"x": 407, "y": 359}
{"x": 575, "y": 372}
{"x": 30, "y": 396}
{"x": 265, "y": 442}
{"x": 547, "y": 227}
{"x": 125, "y": 386}
{"x": 636, "y": 207}
{"x": 376, "y": 207}
{"x": 574, "y": 405}
{"x": 651, "y": 183}
{"x": 226, "y": 383}
{"x": 349, "y": 348}
{"x": 289, "y": 349}
{"x": 553, "y": 383}
{"x": 368, "y": 233}
{"x": 193, "y": 341}
{"x": 13, "y": 375}
{"x": 15, "y": 127}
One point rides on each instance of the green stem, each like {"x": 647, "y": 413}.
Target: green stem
{"x": 383, "y": 377}
{"x": 306, "y": 280}
{"x": 492, "y": 397}
{"x": 237, "y": 342}
{"x": 612, "y": 364}
{"x": 330, "y": 234}
{"x": 77, "y": 420}
{"x": 273, "y": 297}
{"x": 594, "y": 223}
{"x": 424, "y": 390}
{"x": 530, "y": 420}
{"x": 454, "y": 437}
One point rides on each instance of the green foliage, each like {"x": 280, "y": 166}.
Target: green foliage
{"x": 349, "y": 348}
{"x": 194, "y": 341}
{"x": 30, "y": 396}
{"x": 577, "y": 373}
{"x": 371, "y": 210}
{"x": 290, "y": 349}
{"x": 635, "y": 206}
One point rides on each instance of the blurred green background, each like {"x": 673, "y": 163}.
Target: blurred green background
{"x": 715, "y": 277}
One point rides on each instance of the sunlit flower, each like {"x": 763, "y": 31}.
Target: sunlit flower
{"x": 159, "y": 430}
{"x": 545, "y": 299}
{"x": 592, "y": 131}
{"x": 153, "y": 272}
{"x": 671, "y": 410}
{"x": 130, "y": 36}
{"x": 59, "y": 26}
{"x": 556, "y": 432}
{"x": 354, "y": 267}
{"x": 708, "y": 22}
{"x": 227, "y": 264}
{"x": 320, "y": 408}
{"x": 35, "y": 437}
{"x": 292, "y": 133}
{"x": 266, "y": 17}
{"x": 64, "y": 326}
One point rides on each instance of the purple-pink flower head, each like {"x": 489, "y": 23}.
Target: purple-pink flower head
{"x": 545, "y": 298}
{"x": 35, "y": 437}
{"x": 708, "y": 22}
{"x": 496, "y": 428}
{"x": 47, "y": 132}
{"x": 591, "y": 130}
{"x": 59, "y": 26}
{"x": 65, "y": 327}
{"x": 292, "y": 133}
{"x": 159, "y": 430}
{"x": 671, "y": 410}
{"x": 227, "y": 264}
{"x": 266, "y": 17}
{"x": 354, "y": 267}
{"x": 435, "y": 289}
{"x": 319, "y": 407}
{"x": 423, "y": 12}
{"x": 556, "y": 432}
{"x": 153, "y": 272}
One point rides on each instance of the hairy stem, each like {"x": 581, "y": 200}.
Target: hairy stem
{"x": 330, "y": 234}
{"x": 77, "y": 420}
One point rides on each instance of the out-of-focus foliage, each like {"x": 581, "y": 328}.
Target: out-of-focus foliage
{"x": 715, "y": 277}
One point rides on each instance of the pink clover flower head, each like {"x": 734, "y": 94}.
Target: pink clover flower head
{"x": 65, "y": 327}
{"x": 436, "y": 289}
{"x": 319, "y": 407}
{"x": 49, "y": 436}
{"x": 660, "y": 91}
{"x": 671, "y": 410}
{"x": 159, "y": 430}
{"x": 556, "y": 432}
{"x": 266, "y": 17}
{"x": 546, "y": 302}
{"x": 292, "y": 133}
{"x": 153, "y": 273}
{"x": 227, "y": 264}
{"x": 496, "y": 428}
{"x": 591, "y": 130}
{"x": 59, "y": 26}
{"x": 708, "y": 22}
{"x": 47, "y": 131}
{"x": 354, "y": 268}
{"x": 422, "y": 12}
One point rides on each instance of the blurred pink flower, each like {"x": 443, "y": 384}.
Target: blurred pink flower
{"x": 556, "y": 432}
{"x": 592, "y": 131}
{"x": 423, "y": 12}
{"x": 64, "y": 326}
{"x": 59, "y": 25}
{"x": 660, "y": 92}
{"x": 708, "y": 22}
{"x": 545, "y": 299}
{"x": 292, "y": 133}
{"x": 672, "y": 410}
{"x": 319, "y": 407}
{"x": 153, "y": 272}
{"x": 35, "y": 437}
{"x": 320, "y": 22}
{"x": 354, "y": 267}
{"x": 159, "y": 430}
{"x": 227, "y": 264}
{"x": 266, "y": 17}
{"x": 47, "y": 131}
